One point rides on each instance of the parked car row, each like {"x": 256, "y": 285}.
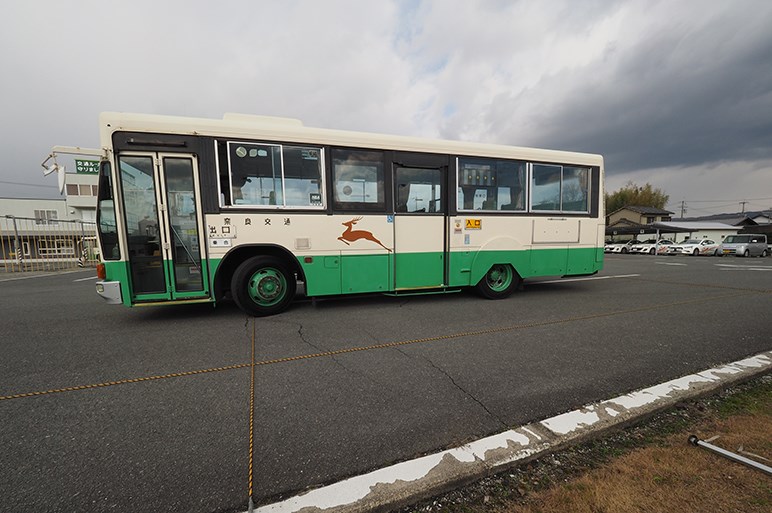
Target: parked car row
{"x": 745, "y": 245}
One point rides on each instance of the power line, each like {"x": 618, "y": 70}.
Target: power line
{"x": 724, "y": 200}
{"x": 29, "y": 184}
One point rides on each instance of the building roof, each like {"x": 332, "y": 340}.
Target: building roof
{"x": 733, "y": 218}
{"x": 627, "y": 227}
{"x": 697, "y": 225}
{"x": 643, "y": 210}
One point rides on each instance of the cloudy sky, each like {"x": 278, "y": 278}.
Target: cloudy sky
{"x": 674, "y": 93}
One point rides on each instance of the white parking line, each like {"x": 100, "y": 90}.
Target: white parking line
{"x": 591, "y": 278}
{"x": 42, "y": 275}
{"x": 739, "y": 267}
{"x": 748, "y": 269}
{"x": 669, "y": 263}
{"x": 86, "y": 279}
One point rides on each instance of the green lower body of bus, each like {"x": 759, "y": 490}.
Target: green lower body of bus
{"x": 326, "y": 275}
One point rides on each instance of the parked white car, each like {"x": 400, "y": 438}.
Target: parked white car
{"x": 619, "y": 247}
{"x": 650, "y": 246}
{"x": 695, "y": 247}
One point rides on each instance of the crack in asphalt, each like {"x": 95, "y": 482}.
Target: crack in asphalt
{"x": 459, "y": 387}
{"x": 308, "y": 342}
{"x": 332, "y": 357}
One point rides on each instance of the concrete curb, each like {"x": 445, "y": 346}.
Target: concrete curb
{"x": 407, "y": 482}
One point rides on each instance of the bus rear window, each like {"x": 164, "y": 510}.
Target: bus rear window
{"x": 556, "y": 188}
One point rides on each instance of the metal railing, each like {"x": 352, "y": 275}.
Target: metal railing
{"x": 29, "y": 244}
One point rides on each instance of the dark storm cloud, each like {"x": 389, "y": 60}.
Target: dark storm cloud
{"x": 683, "y": 97}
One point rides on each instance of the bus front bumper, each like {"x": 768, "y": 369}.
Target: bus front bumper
{"x": 110, "y": 291}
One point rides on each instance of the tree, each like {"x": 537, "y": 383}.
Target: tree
{"x": 633, "y": 195}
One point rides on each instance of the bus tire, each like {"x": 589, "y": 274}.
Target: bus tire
{"x": 263, "y": 285}
{"x": 499, "y": 282}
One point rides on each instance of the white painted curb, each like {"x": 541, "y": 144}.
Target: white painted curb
{"x": 409, "y": 481}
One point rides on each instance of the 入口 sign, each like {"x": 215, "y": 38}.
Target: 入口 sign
{"x": 473, "y": 224}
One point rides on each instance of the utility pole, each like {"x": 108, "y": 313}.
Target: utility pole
{"x": 743, "y": 204}
{"x": 683, "y": 208}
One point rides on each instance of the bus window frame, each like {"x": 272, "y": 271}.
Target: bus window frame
{"x": 591, "y": 193}
{"x": 224, "y": 170}
{"x": 357, "y": 207}
{"x": 105, "y": 193}
{"x": 524, "y": 194}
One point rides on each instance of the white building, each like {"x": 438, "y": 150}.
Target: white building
{"x": 699, "y": 230}
{"x": 42, "y": 231}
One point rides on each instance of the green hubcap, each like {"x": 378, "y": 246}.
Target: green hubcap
{"x": 267, "y": 287}
{"x": 499, "y": 277}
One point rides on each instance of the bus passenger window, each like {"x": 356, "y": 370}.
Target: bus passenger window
{"x": 255, "y": 174}
{"x": 575, "y": 189}
{"x": 302, "y": 176}
{"x": 358, "y": 182}
{"x": 545, "y": 187}
{"x": 491, "y": 184}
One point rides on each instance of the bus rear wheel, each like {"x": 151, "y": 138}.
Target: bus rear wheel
{"x": 263, "y": 285}
{"x": 499, "y": 282}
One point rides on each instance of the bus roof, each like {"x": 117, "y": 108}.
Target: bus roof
{"x": 242, "y": 126}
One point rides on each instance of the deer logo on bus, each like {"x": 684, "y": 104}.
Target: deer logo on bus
{"x": 351, "y": 235}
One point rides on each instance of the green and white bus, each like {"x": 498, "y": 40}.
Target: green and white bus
{"x": 255, "y": 208}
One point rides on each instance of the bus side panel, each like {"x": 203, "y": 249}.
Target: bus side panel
{"x": 346, "y": 274}
{"x": 541, "y": 247}
{"x": 118, "y": 270}
{"x": 212, "y": 264}
{"x": 322, "y": 274}
{"x": 468, "y": 267}
{"x": 460, "y": 267}
{"x": 583, "y": 261}
{"x": 365, "y": 273}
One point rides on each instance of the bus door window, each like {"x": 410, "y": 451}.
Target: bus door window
{"x": 419, "y": 190}
{"x": 139, "y": 200}
{"x": 183, "y": 223}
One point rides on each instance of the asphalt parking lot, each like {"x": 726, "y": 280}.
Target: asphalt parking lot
{"x": 106, "y": 408}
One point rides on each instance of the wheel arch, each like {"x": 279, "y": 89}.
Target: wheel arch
{"x": 500, "y": 250}
{"x": 236, "y": 256}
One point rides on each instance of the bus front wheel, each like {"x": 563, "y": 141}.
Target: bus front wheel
{"x": 499, "y": 282}
{"x": 263, "y": 285}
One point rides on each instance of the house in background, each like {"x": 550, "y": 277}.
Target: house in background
{"x": 632, "y": 221}
{"x": 639, "y": 215}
